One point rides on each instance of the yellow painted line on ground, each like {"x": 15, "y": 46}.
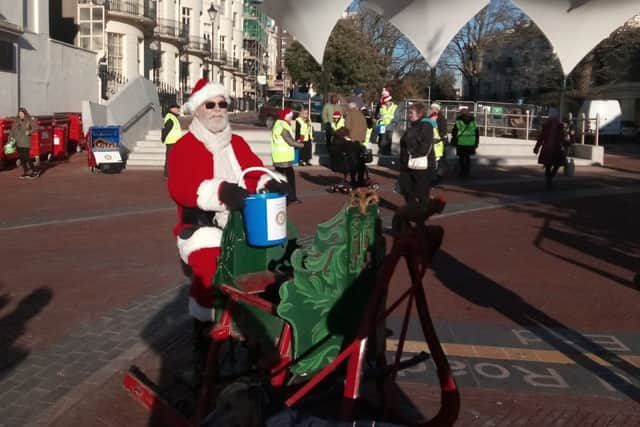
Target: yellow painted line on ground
{"x": 510, "y": 353}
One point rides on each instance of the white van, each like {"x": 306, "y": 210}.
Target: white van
{"x": 609, "y": 112}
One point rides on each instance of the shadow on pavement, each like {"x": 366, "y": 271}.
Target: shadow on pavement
{"x": 13, "y": 326}
{"x": 606, "y": 234}
{"x": 482, "y": 291}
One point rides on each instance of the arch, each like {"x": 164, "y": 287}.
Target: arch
{"x": 575, "y": 27}
{"x": 429, "y": 24}
{"x": 310, "y": 21}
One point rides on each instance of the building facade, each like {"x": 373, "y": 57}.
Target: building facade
{"x": 37, "y": 72}
{"x": 173, "y": 43}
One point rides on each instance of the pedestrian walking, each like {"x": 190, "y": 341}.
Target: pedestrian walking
{"x": 171, "y": 133}
{"x": 21, "y": 130}
{"x": 417, "y": 159}
{"x": 206, "y": 167}
{"x": 283, "y": 146}
{"x": 327, "y": 116}
{"x": 465, "y": 136}
{"x": 550, "y": 146}
{"x": 304, "y": 134}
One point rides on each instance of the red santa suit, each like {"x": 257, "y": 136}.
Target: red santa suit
{"x": 199, "y": 163}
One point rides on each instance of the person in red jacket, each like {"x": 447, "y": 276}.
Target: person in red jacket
{"x": 205, "y": 182}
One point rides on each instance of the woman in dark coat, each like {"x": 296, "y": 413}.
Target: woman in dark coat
{"x": 415, "y": 185}
{"x": 550, "y": 146}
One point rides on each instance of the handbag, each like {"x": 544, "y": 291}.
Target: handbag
{"x": 10, "y": 147}
{"x": 569, "y": 167}
{"x": 419, "y": 163}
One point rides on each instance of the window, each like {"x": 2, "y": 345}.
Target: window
{"x": 222, "y": 43}
{"x": 235, "y": 19}
{"x": 114, "y": 52}
{"x": 7, "y": 56}
{"x": 186, "y": 18}
{"x": 223, "y": 7}
{"x": 234, "y": 52}
{"x": 90, "y": 27}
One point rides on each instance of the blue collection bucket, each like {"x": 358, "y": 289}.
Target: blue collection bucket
{"x": 265, "y": 216}
{"x": 296, "y": 157}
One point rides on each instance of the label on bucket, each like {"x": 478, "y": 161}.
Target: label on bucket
{"x": 277, "y": 218}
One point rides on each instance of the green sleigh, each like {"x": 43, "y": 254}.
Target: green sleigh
{"x": 325, "y": 292}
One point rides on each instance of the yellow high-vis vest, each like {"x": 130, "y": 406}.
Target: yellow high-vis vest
{"x": 337, "y": 125}
{"x": 176, "y": 133}
{"x": 306, "y": 129}
{"x": 438, "y": 145}
{"x": 281, "y": 152}
{"x": 387, "y": 114}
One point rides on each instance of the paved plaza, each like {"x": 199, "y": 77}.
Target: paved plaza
{"x": 533, "y": 293}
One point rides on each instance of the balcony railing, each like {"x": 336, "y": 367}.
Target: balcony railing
{"x": 170, "y": 28}
{"x": 199, "y": 43}
{"x": 220, "y": 56}
{"x": 142, "y": 8}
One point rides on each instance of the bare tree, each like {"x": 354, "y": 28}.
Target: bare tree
{"x": 466, "y": 51}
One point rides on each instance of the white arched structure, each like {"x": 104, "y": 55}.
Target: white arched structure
{"x": 573, "y": 27}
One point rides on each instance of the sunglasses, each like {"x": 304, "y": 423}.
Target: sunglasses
{"x": 211, "y": 105}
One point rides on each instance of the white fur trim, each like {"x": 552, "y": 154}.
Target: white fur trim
{"x": 204, "y": 237}
{"x": 203, "y": 314}
{"x": 208, "y": 91}
{"x": 208, "y": 199}
{"x": 262, "y": 182}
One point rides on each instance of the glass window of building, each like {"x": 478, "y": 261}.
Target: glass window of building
{"x": 114, "y": 52}
{"x": 90, "y": 27}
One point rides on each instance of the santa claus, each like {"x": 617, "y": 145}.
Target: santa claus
{"x": 206, "y": 165}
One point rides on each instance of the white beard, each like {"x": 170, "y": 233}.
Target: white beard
{"x": 214, "y": 141}
{"x": 215, "y": 125}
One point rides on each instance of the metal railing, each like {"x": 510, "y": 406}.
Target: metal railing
{"x": 144, "y": 8}
{"x": 111, "y": 82}
{"x": 492, "y": 123}
{"x": 199, "y": 44}
{"x": 170, "y": 28}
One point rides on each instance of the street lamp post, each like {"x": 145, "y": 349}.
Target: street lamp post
{"x": 213, "y": 12}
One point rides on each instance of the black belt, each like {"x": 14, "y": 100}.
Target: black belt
{"x": 197, "y": 216}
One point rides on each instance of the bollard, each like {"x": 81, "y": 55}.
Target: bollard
{"x": 582, "y": 127}
{"x": 526, "y": 137}
{"x": 597, "y": 129}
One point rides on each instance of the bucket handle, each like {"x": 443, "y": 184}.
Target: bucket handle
{"x": 257, "y": 169}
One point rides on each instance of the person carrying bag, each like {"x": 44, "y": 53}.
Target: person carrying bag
{"x": 417, "y": 159}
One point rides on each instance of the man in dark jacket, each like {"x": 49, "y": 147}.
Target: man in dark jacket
{"x": 465, "y": 136}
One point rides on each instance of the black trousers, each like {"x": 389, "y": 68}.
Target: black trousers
{"x": 415, "y": 186}
{"x": 291, "y": 180}
{"x": 384, "y": 143}
{"x": 306, "y": 152}
{"x": 550, "y": 171}
{"x": 465, "y": 163}
{"x": 166, "y": 159}
{"x": 328, "y": 133}
{"x": 25, "y": 159}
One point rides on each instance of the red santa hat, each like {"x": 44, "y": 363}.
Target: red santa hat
{"x": 337, "y": 115}
{"x": 385, "y": 99}
{"x": 284, "y": 113}
{"x": 203, "y": 90}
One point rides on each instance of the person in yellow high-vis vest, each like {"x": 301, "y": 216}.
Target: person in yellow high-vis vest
{"x": 439, "y": 141}
{"x": 337, "y": 122}
{"x": 466, "y": 137}
{"x": 304, "y": 134}
{"x": 171, "y": 133}
{"x": 386, "y": 122}
{"x": 283, "y": 146}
